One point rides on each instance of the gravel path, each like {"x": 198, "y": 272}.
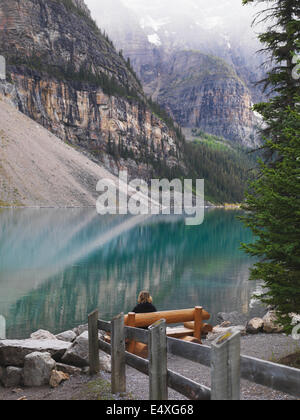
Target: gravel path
{"x": 264, "y": 346}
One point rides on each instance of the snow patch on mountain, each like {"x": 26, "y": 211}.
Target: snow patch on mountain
{"x": 154, "y": 39}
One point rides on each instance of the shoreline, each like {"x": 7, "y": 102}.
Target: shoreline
{"x": 14, "y": 207}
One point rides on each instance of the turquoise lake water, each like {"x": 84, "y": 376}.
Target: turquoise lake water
{"x": 56, "y": 266}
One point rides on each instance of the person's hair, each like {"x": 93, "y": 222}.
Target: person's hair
{"x": 144, "y": 297}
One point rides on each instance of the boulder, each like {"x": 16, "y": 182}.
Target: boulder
{"x": 270, "y": 323}
{"x": 218, "y": 331}
{"x": 295, "y": 319}
{"x": 57, "y": 377}
{"x": 70, "y": 370}
{"x": 37, "y": 369}
{"x": 234, "y": 318}
{"x": 255, "y": 326}
{"x": 68, "y": 336}
{"x": 81, "y": 329}
{"x": 42, "y": 335}
{"x": 78, "y": 353}
{"x": 11, "y": 376}
{"x": 105, "y": 363}
{"x": 13, "y": 352}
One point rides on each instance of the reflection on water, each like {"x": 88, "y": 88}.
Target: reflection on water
{"x": 56, "y": 266}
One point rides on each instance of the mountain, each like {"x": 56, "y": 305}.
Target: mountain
{"x": 68, "y": 77}
{"x": 168, "y": 43}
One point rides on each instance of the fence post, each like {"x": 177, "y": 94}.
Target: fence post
{"x": 226, "y": 367}
{"x": 131, "y": 323}
{"x": 198, "y": 322}
{"x": 118, "y": 362}
{"x": 158, "y": 371}
{"x": 94, "y": 343}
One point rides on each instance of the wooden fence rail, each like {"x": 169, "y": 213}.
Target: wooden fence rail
{"x": 228, "y": 366}
{"x": 185, "y": 386}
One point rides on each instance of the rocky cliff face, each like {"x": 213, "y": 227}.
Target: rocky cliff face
{"x": 205, "y": 92}
{"x": 200, "y": 91}
{"x": 68, "y": 76}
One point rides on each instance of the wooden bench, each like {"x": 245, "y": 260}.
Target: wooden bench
{"x": 192, "y": 330}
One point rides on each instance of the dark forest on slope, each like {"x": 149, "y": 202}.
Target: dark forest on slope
{"x": 226, "y": 171}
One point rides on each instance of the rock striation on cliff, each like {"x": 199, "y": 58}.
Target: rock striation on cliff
{"x": 205, "y": 92}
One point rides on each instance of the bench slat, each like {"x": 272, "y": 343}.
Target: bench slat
{"x": 171, "y": 317}
{"x": 179, "y": 332}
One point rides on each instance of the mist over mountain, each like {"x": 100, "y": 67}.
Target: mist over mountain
{"x": 176, "y": 47}
{"x": 197, "y": 23}
{"x": 220, "y": 28}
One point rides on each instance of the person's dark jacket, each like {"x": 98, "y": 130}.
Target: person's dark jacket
{"x": 144, "y": 308}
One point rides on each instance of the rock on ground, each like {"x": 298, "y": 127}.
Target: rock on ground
{"x": 218, "y": 331}
{"x": 70, "y": 370}
{"x": 11, "y": 377}
{"x": 42, "y": 335}
{"x": 68, "y": 336}
{"x": 255, "y": 326}
{"x": 81, "y": 329}
{"x": 37, "y": 369}
{"x": 57, "y": 378}
{"x": 78, "y": 354}
{"x": 234, "y": 318}
{"x": 270, "y": 324}
{"x": 105, "y": 363}
{"x": 13, "y": 352}
{"x": 295, "y": 319}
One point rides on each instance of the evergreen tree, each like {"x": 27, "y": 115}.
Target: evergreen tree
{"x": 273, "y": 200}
{"x": 281, "y": 42}
{"x": 274, "y": 217}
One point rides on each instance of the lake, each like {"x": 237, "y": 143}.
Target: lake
{"x": 56, "y": 266}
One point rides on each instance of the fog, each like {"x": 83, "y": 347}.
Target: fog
{"x": 150, "y": 32}
{"x": 182, "y": 19}
{"x": 227, "y": 11}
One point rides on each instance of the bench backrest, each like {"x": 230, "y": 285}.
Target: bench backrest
{"x": 197, "y": 314}
{"x": 171, "y": 317}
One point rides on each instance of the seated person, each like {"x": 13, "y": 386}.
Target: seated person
{"x": 144, "y": 304}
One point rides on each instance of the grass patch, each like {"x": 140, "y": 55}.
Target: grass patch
{"x": 98, "y": 390}
{"x": 293, "y": 360}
